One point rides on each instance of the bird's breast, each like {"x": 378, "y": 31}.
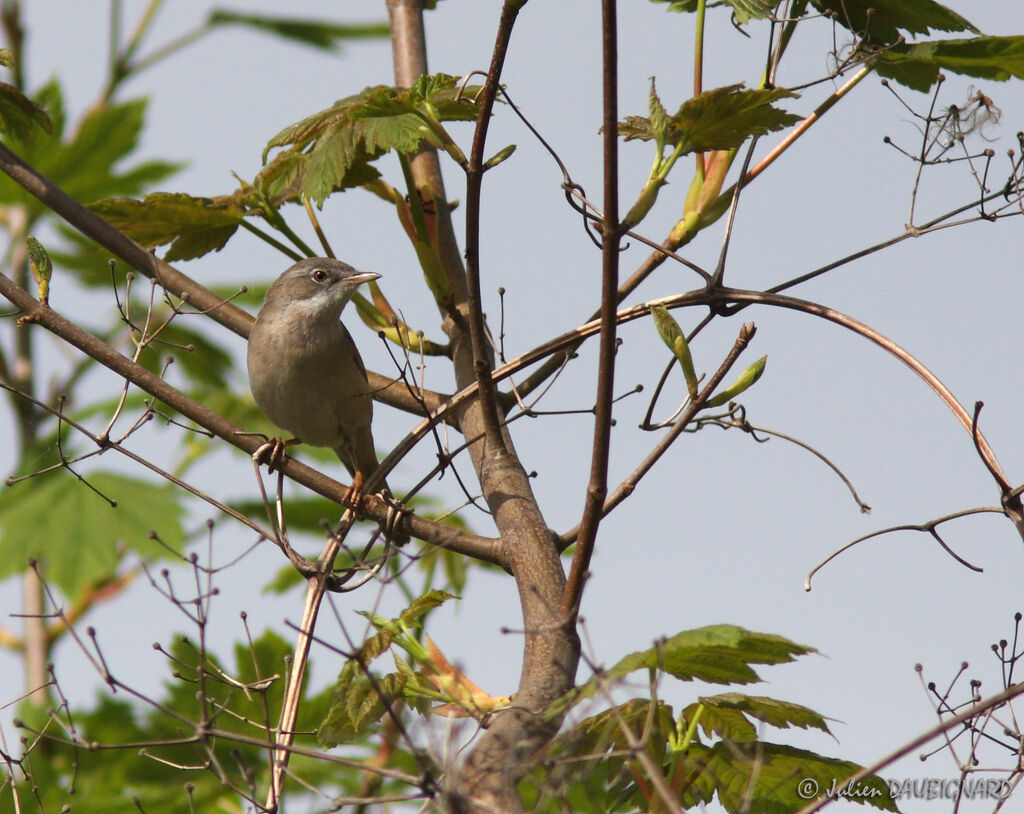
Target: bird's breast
{"x": 312, "y": 387}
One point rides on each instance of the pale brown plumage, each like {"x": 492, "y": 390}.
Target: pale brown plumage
{"x": 304, "y": 369}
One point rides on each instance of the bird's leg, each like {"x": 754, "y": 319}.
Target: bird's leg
{"x": 354, "y": 494}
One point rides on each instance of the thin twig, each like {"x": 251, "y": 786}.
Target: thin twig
{"x": 628, "y": 486}
{"x": 207, "y": 418}
{"x": 928, "y": 527}
{"x": 852, "y": 781}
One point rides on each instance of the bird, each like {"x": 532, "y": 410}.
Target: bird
{"x": 305, "y": 372}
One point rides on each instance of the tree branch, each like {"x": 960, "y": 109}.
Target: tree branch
{"x": 35, "y": 312}
{"x": 551, "y": 651}
{"x": 597, "y": 488}
{"x": 225, "y": 313}
{"x": 627, "y": 487}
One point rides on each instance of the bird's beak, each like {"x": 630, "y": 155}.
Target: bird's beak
{"x": 361, "y": 277}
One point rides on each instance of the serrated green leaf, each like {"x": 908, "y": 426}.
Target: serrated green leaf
{"x": 879, "y": 22}
{"x": 658, "y": 117}
{"x": 193, "y": 226}
{"x": 719, "y": 119}
{"x": 421, "y": 606}
{"x": 324, "y": 150}
{"x": 917, "y": 66}
{"x": 636, "y": 127}
{"x": 726, "y": 723}
{"x": 318, "y": 34}
{"x": 89, "y": 165}
{"x": 724, "y": 118}
{"x": 77, "y": 536}
{"x": 727, "y": 715}
{"x": 745, "y": 380}
{"x": 20, "y": 117}
{"x": 357, "y": 706}
{"x": 718, "y": 654}
{"x": 779, "y": 777}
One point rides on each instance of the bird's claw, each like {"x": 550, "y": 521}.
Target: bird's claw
{"x": 272, "y": 452}
{"x": 395, "y": 512}
{"x": 354, "y": 494}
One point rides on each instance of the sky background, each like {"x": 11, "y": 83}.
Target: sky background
{"x": 723, "y": 530}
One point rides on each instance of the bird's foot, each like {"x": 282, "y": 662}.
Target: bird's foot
{"x": 354, "y": 494}
{"x": 395, "y": 512}
{"x": 272, "y": 453}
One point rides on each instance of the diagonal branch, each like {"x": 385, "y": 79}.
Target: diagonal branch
{"x": 201, "y": 414}
{"x": 230, "y": 316}
{"x": 626, "y": 488}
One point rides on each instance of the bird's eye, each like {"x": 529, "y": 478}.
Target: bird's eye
{"x": 319, "y": 276}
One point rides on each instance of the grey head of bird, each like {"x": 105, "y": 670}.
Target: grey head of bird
{"x": 317, "y": 288}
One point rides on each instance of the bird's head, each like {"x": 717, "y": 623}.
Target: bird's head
{"x": 319, "y": 287}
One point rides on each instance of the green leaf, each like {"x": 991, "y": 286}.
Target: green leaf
{"x": 673, "y": 336}
{"x": 879, "y": 22}
{"x": 193, "y": 226}
{"x": 357, "y": 703}
{"x": 205, "y": 363}
{"x": 20, "y": 116}
{"x": 323, "y": 151}
{"x": 728, "y": 714}
{"x": 40, "y": 265}
{"x": 917, "y": 66}
{"x": 604, "y": 730}
{"x": 244, "y": 698}
{"x": 422, "y": 605}
{"x": 599, "y": 770}
{"x": 718, "y": 654}
{"x": 85, "y": 166}
{"x": 316, "y": 33}
{"x": 770, "y": 778}
{"x": 499, "y": 157}
{"x": 745, "y": 380}
{"x": 658, "y": 117}
{"x": 77, "y": 536}
{"x": 743, "y": 10}
{"x": 589, "y": 765}
{"x": 719, "y": 119}
{"x": 88, "y": 166}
